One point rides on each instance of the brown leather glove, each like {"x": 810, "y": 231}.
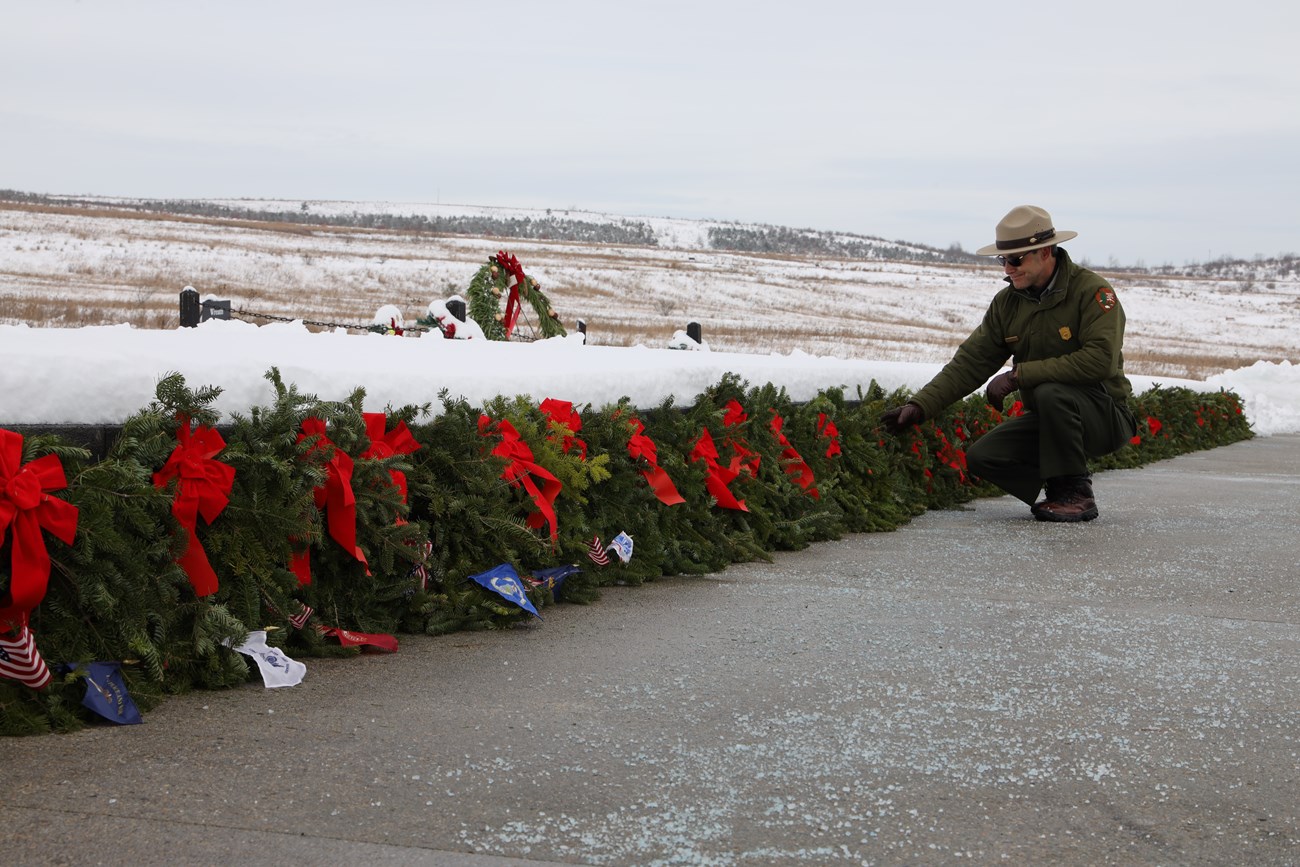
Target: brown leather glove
{"x": 900, "y": 418}
{"x": 1000, "y": 386}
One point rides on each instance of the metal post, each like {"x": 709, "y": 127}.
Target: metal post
{"x": 189, "y": 307}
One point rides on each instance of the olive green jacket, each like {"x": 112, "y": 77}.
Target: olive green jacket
{"x": 1073, "y": 334}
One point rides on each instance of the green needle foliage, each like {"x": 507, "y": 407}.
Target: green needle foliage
{"x": 118, "y": 594}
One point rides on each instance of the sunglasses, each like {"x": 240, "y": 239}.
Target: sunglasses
{"x": 1013, "y": 261}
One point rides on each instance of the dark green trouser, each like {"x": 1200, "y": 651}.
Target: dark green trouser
{"x": 1068, "y": 425}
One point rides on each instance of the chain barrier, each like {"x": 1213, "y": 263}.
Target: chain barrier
{"x": 417, "y": 329}
{"x": 242, "y": 312}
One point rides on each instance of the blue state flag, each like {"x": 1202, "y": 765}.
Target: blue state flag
{"x": 504, "y": 581}
{"x": 106, "y": 693}
{"x": 553, "y": 579}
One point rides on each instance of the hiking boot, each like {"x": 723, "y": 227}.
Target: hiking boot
{"x": 1070, "y": 500}
{"x": 1055, "y": 489}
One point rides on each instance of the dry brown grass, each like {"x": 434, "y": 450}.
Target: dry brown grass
{"x": 149, "y": 216}
{"x": 113, "y": 266}
{"x": 1185, "y": 365}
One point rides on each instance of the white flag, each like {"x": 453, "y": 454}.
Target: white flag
{"x": 277, "y": 669}
{"x": 622, "y": 546}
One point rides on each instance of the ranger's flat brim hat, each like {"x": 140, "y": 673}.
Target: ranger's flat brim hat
{"x": 1025, "y": 228}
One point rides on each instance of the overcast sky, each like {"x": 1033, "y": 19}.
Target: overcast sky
{"x": 1162, "y": 132}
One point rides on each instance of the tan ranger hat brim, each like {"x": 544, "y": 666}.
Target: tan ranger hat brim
{"x": 1025, "y": 228}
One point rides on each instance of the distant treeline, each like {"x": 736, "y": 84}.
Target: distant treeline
{"x": 1250, "y": 273}
{"x": 809, "y": 242}
{"x": 733, "y": 237}
{"x": 549, "y": 228}
{"x": 745, "y": 239}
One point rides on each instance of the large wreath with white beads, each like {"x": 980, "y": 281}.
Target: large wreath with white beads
{"x": 504, "y": 277}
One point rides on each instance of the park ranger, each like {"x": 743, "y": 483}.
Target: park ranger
{"x": 1062, "y": 327}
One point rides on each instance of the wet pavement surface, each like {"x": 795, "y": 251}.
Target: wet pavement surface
{"x": 975, "y": 687}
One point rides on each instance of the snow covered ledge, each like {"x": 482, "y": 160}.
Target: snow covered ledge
{"x": 103, "y": 374}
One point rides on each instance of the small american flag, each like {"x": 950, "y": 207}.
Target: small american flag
{"x": 299, "y": 620}
{"x": 421, "y": 569}
{"x": 596, "y": 552}
{"x": 21, "y": 661}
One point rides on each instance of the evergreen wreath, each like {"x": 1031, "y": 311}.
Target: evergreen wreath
{"x": 117, "y": 591}
{"x": 504, "y": 276}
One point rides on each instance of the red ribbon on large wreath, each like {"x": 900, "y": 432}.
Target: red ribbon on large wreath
{"x": 523, "y": 469}
{"x": 640, "y": 446}
{"x": 386, "y": 444}
{"x": 511, "y": 265}
{"x": 203, "y": 489}
{"x": 335, "y": 497}
{"x": 25, "y": 506}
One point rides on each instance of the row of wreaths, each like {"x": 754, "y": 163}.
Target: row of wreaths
{"x": 317, "y": 522}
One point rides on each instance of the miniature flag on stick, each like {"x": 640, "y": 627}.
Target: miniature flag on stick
{"x": 106, "y": 693}
{"x": 504, "y": 581}
{"x": 596, "y": 552}
{"x": 552, "y": 579}
{"x": 622, "y": 546}
{"x": 421, "y": 569}
{"x": 21, "y": 661}
{"x": 299, "y": 620}
{"x": 277, "y": 669}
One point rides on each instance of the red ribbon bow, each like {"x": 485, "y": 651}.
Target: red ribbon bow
{"x": 742, "y": 456}
{"x": 795, "y": 466}
{"x": 950, "y": 455}
{"x": 641, "y": 446}
{"x": 522, "y": 469}
{"x": 398, "y": 441}
{"x": 335, "y": 496}
{"x": 203, "y": 489}
{"x": 562, "y": 413}
{"x": 25, "y": 505}
{"x": 718, "y": 477}
{"x": 511, "y": 265}
{"x": 735, "y": 414}
{"x": 826, "y": 428}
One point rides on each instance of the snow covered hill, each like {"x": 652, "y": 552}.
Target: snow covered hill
{"x": 102, "y": 262}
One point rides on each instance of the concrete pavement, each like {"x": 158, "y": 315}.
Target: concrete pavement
{"x": 975, "y": 687}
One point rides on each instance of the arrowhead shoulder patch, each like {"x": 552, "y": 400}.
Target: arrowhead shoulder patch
{"x": 1106, "y": 299}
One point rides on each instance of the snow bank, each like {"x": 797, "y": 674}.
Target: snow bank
{"x": 1270, "y": 392}
{"x": 100, "y": 375}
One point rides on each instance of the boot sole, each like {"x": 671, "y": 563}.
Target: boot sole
{"x": 1048, "y": 515}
